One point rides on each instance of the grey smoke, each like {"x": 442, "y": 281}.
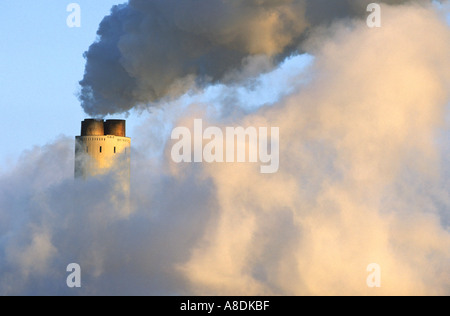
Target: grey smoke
{"x": 149, "y": 50}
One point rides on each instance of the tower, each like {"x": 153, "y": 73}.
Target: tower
{"x": 102, "y": 147}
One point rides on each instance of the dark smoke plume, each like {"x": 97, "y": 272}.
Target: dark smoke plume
{"x": 148, "y": 50}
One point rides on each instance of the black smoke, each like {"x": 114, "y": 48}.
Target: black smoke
{"x": 148, "y": 50}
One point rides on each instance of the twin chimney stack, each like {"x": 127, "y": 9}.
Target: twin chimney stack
{"x": 103, "y": 145}
{"x": 92, "y": 127}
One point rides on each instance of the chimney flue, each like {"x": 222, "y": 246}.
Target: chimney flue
{"x": 92, "y": 127}
{"x": 115, "y": 127}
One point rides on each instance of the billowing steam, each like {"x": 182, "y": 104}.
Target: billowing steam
{"x": 364, "y": 178}
{"x": 152, "y": 50}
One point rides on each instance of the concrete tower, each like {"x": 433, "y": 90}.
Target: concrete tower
{"x": 102, "y": 146}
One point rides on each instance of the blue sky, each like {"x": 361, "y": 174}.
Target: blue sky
{"x": 41, "y": 62}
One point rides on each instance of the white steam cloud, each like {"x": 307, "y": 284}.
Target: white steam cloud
{"x": 364, "y": 178}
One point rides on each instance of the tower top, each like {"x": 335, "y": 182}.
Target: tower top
{"x": 99, "y": 127}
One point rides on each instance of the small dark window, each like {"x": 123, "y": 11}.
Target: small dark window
{"x": 100, "y": 149}
{"x": 114, "y": 149}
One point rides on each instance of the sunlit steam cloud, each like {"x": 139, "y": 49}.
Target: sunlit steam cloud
{"x": 152, "y": 50}
{"x": 364, "y": 178}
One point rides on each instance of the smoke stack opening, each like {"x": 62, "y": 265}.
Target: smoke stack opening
{"x": 115, "y": 127}
{"x": 95, "y": 127}
{"x": 92, "y": 127}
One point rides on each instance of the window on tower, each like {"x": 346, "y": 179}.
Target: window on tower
{"x": 100, "y": 149}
